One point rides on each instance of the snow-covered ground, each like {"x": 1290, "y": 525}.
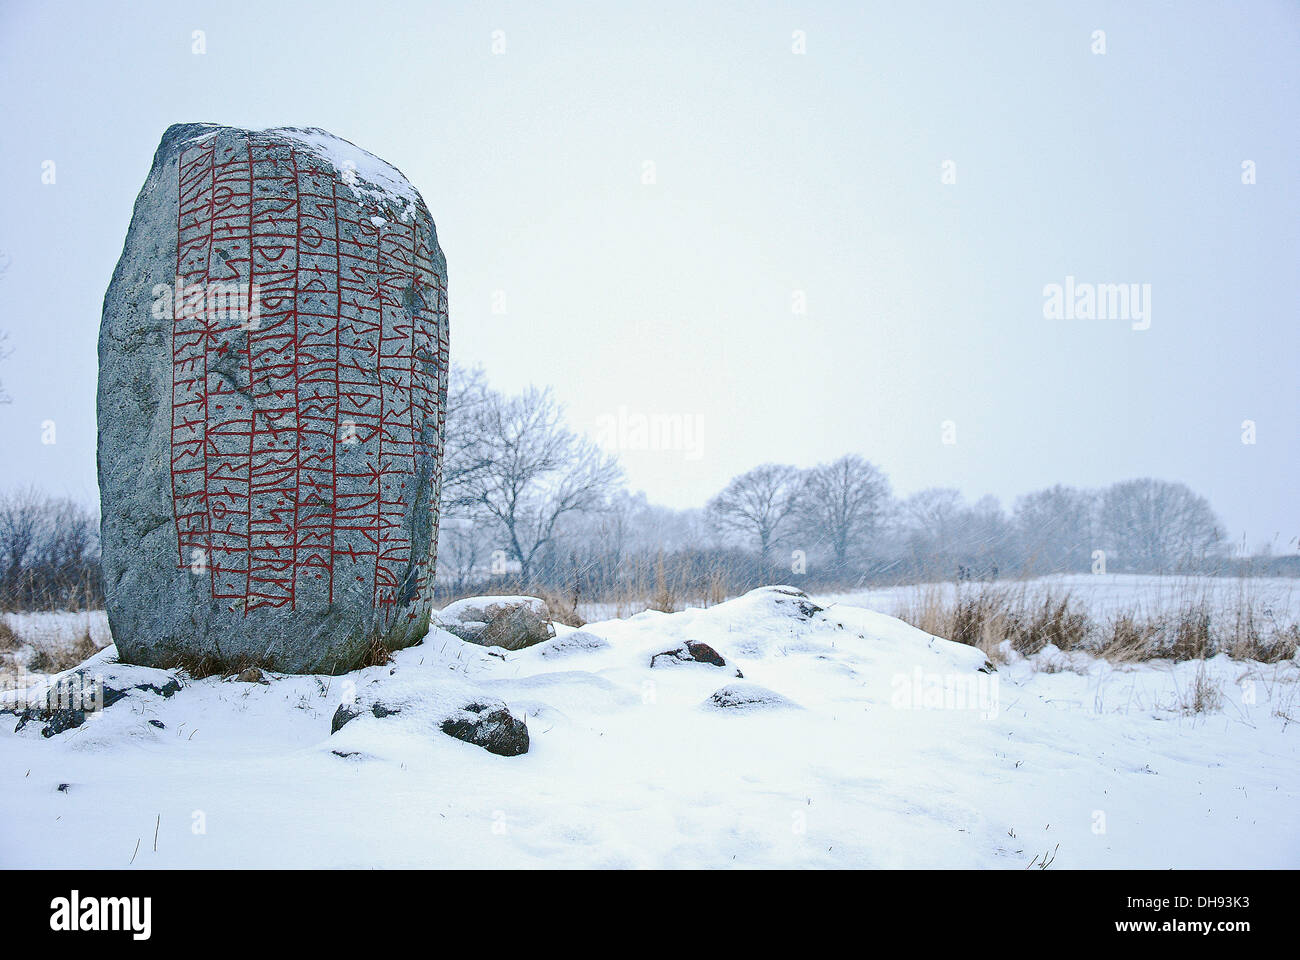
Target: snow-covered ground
{"x": 59, "y": 628}
{"x": 1105, "y": 595}
{"x": 865, "y": 743}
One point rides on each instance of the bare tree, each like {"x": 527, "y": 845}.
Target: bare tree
{"x": 24, "y": 518}
{"x": 931, "y": 520}
{"x": 842, "y": 504}
{"x": 72, "y": 535}
{"x": 465, "y": 454}
{"x": 463, "y": 552}
{"x": 758, "y": 505}
{"x": 534, "y": 471}
{"x": 1056, "y": 528}
{"x": 1157, "y": 525}
{"x": 49, "y": 552}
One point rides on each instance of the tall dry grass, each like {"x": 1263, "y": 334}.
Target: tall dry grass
{"x": 1028, "y": 620}
{"x": 43, "y": 643}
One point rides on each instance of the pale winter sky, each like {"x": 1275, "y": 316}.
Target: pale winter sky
{"x": 778, "y": 177}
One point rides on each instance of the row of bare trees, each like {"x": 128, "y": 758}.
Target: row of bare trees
{"x": 528, "y": 501}
{"x": 838, "y": 507}
{"x": 49, "y": 553}
{"x": 842, "y": 513}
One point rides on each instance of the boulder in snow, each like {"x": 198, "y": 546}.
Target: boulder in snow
{"x": 490, "y": 726}
{"x": 272, "y": 381}
{"x": 508, "y": 622}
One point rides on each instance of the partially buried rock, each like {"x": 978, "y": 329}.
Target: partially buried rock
{"x": 484, "y": 723}
{"x": 492, "y": 727}
{"x": 272, "y": 384}
{"x": 746, "y": 696}
{"x": 790, "y": 600}
{"x": 691, "y": 652}
{"x": 579, "y": 641}
{"x": 508, "y": 622}
{"x": 345, "y": 713}
{"x": 75, "y": 696}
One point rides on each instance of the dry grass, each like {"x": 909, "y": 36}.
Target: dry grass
{"x": 377, "y": 653}
{"x": 665, "y": 587}
{"x": 715, "y": 588}
{"x": 988, "y": 616}
{"x": 1259, "y": 637}
{"x": 1187, "y": 634}
{"x": 197, "y": 666}
{"x": 8, "y": 639}
{"x": 562, "y": 608}
{"x": 1128, "y": 638}
{"x": 57, "y": 657}
{"x": 666, "y": 595}
{"x": 1056, "y": 620}
{"x": 1204, "y": 696}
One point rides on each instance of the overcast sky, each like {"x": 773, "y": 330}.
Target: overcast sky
{"x": 778, "y": 179}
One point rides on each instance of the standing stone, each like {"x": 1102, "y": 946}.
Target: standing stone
{"x": 272, "y": 386}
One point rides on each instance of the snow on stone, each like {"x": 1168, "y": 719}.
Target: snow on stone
{"x": 375, "y": 180}
{"x": 471, "y": 607}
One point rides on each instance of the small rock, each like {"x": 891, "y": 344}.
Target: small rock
{"x": 691, "y": 652}
{"x": 342, "y": 716}
{"x": 157, "y": 723}
{"x": 703, "y": 653}
{"x": 494, "y": 728}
